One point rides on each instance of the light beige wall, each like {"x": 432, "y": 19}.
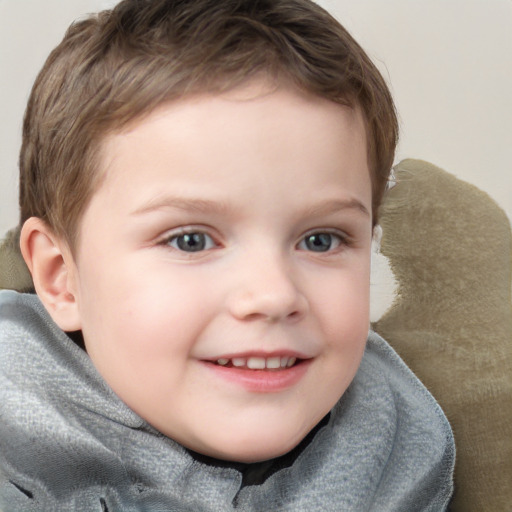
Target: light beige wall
{"x": 449, "y": 63}
{"x": 29, "y": 30}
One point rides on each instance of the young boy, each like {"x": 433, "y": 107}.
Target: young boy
{"x": 199, "y": 185}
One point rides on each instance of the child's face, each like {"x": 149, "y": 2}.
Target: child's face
{"x": 230, "y": 230}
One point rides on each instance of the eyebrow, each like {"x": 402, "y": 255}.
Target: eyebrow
{"x": 181, "y": 203}
{"x": 336, "y": 205}
{"x": 216, "y": 207}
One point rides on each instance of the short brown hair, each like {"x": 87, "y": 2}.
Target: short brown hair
{"x": 113, "y": 67}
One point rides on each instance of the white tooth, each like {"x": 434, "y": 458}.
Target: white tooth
{"x": 291, "y": 362}
{"x": 222, "y": 361}
{"x": 273, "y": 362}
{"x": 284, "y": 362}
{"x": 239, "y": 361}
{"x": 256, "y": 363}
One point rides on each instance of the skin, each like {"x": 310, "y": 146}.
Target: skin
{"x": 255, "y": 177}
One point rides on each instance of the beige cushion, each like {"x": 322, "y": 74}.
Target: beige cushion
{"x": 14, "y": 274}
{"x": 449, "y": 246}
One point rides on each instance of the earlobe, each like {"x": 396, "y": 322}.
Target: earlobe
{"x": 52, "y": 267}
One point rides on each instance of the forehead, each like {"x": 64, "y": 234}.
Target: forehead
{"x": 257, "y": 132}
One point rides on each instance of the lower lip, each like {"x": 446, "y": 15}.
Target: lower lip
{"x": 262, "y": 381}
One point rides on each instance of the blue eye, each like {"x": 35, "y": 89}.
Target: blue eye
{"x": 191, "y": 242}
{"x": 320, "y": 242}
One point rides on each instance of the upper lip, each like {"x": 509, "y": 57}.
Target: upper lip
{"x": 259, "y": 353}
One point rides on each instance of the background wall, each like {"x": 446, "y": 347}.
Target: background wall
{"x": 448, "y": 62}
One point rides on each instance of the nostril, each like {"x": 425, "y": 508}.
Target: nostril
{"x": 103, "y": 503}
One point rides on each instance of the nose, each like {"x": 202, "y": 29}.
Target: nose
{"x": 266, "y": 288}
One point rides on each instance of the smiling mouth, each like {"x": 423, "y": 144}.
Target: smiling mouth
{"x": 258, "y": 373}
{"x": 258, "y": 363}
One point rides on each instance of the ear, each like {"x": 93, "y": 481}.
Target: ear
{"x": 53, "y": 270}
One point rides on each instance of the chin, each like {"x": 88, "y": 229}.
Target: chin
{"x": 258, "y": 448}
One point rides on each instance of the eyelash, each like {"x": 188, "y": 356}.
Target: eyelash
{"x": 340, "y": 240}
{"x": 192, "y": 232}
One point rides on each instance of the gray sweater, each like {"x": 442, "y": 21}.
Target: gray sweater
{"x": 68, "y": 443}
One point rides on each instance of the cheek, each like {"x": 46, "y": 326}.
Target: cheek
{"x": 346, "y": 330}
{"x": 151, "y": 310}
{"x": 344, "y": 317}
{"x": 139, "y": 330}
{"x": 344, "y": 303}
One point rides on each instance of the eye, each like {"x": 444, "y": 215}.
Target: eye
{"x": 320, "y": 242}
{"x": 191, "y": 242}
